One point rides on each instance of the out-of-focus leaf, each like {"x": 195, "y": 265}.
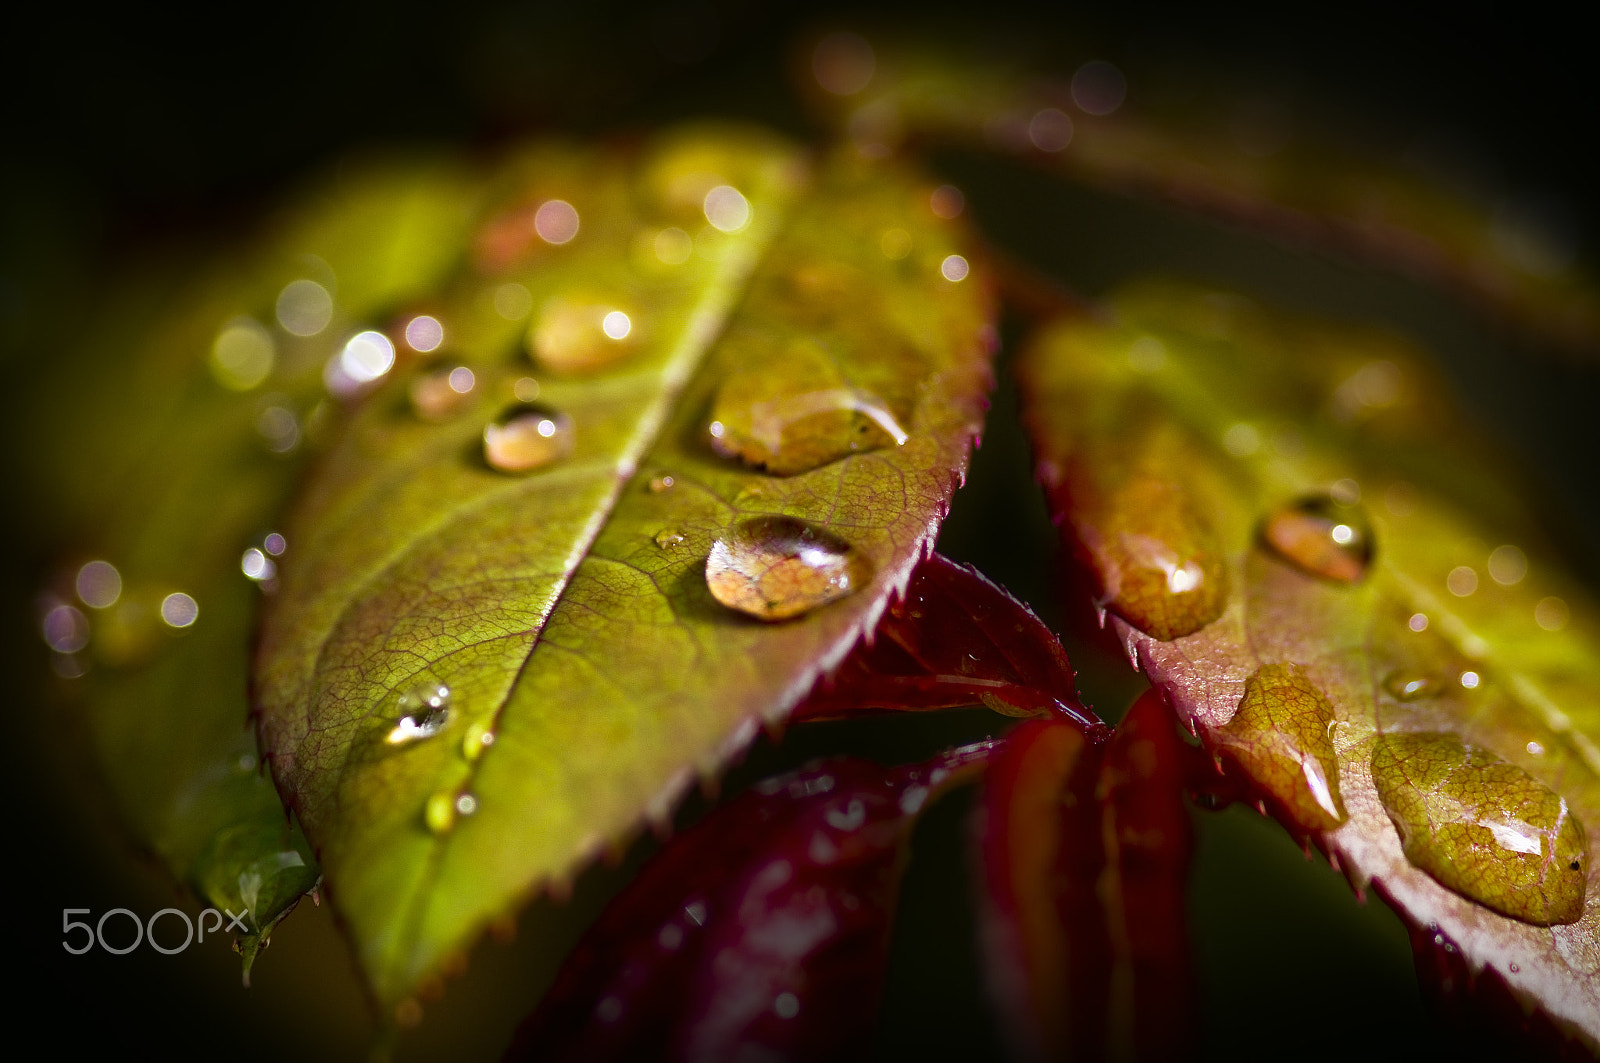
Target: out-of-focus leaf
{"x": 762, "y": 932}
{"x": 166, "y": 473}
{"x": 1085, "y": 849}
{"x": 1388, "y": 601}
{"x": 491, "y": 657}
{"x": 954, "y": 639}
{"x": 1202, "y": 150}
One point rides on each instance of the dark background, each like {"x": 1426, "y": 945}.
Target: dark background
{"x": 129, "y": 134}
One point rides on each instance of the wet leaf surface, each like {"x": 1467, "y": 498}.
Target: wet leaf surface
{"x": 476, "y": 676}
{"x": 1085, "y": 847}
{"x": 167, "y": 473}
{"x": 1435, "y": 610}
{"x": 762, "y": 932}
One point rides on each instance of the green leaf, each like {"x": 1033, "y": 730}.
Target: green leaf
{"x": 493, "y": 657}
{"x": 1400, "y": 665}
{"x": 170, "y": 465}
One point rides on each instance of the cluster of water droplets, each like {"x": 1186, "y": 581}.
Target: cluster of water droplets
{"x": 120, "y": 624}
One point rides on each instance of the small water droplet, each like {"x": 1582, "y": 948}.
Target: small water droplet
{"x": 440, "y": 395}
{"x": 659, "y": 484}
{"x": 797, "y": 431}
{"x": 1406, "y": 685}
{"x": 243, "y": 354}
{"x": 1418, "y": 622}
{"x": 99, "y": 584}
{"x": 774, "y": 568}
{"x": 304, "y": 308}
{"x": 556, "y": 221}
{"x": 1462, "y": 581}
{"x": 527, "y": 438}
{"x": 954, "y": 268}
{"x": 424, "y": 334}
{"x": 787, "y": 1005}
{"x": 65, "y": 628}
{"x": 667, "y": 537}
{"x": 423, "y": 710}
{"x": 179, "y": 610}
{"x": 257, "y": 566}
{"x": 1515, "y": 969}
{"x": 274, "y": 544}
{"x": 1507, "y": 565}
{"x": 727, "y": 209}
{"x": 1551, "y": 614}
{"x": 1470, "y": 680}
{"x": 1482, "y": 826}
{"x": 440, "y": 812}
{"x": 1321, "y": 537}
{"x": 1535, "y": 749}
{"x": 578, "y": 334}
{"x": 466, "y": 805}
{"x": 1280, "y": 736}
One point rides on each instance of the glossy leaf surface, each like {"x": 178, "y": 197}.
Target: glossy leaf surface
{"x": 169, "y": 471}
{"x": 762, "y": 932}
{"x": 1435, "y": 609}
{"x": 1085, "y": 848}
{"x": 478, "y": 674}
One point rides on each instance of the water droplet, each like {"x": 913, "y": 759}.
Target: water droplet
{"x": 668, "y": 537}
{"x": 366, "y": 357}
{"x": 579, "y": 334}
{"x": 1098, "y": 87}
{"x": 895, "y": 244}
{"x": 440, "y": 812}
{"x": 466, "y": 805}
{"x": 1507, "y": 565}
{"x": 179, "y": 610}
{"x": 424, "y": 334}
{"x": 527, "y": 438}
{"x": 1280, "y": 736}
{"x": 1050, "y": 130}
{"x": 1551, "y": 614}
{"x": 1470, "y": 680}
{"x": 1321, "y": 537}
{"x": 256, "y": 565}
{"x": 304, "y": 308}
{"x": 1462, "y": 581}
{"x": 954, "y": 268}
{"x": 424, "y": 709}
{"x": 279, "y": 428}
{"x": 726, "y": 209}
{"x": 1157, "y": 557}
{"x": 1406, "y": 685}
{"x": 1418, "y": 622}
{"x": 1482, "y": 827}
{"x": 947, "y": 201}
{"x": 442, "y": 394}
{"x": 787, "y": 1005}
{"x": 99, "y": 584}
{"x": 673, "y": 246}
{"x": 774, "y": 568}
{"x": 243, "y": 354}
{"x": 1535, "y": 749}
{"x": 478, "y": 738}
{"x": 789, "y": 432}
{"x": 843, "y": 63}
{"x": 274, "y": 543}
{"x": 659, "y": 484}
{"x": 65, "y": 628}
{"x": 556, "y": 221}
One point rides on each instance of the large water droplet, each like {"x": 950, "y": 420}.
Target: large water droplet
{"x": 1281, "y": 737}
{"x": 423, "y": 711}
{"x": 790, "y": 432}
{"x": 579, "y": 334}
{"x": 527, "y": 438}
{"x": 774, "y": 568}
{"x": 1483, "y": 827}
{"x": 440, "y": 395}
{"x": 1322, "y": 537}
{"x": 1158, "y": 558}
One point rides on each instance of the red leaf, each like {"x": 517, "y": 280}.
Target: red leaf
{"x": 954, "y": 639}
{"x": 1086, "y": 852}
{"x": 763, "y": 930}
